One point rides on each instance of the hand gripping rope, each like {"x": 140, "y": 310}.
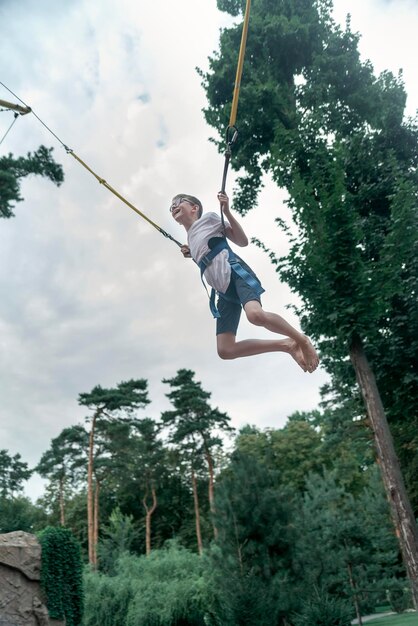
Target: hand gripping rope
{"x": 232, "y": 131}
{"x": 25, "y": 109}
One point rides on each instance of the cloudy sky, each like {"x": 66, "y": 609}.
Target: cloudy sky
{"x": 91, "y": 294}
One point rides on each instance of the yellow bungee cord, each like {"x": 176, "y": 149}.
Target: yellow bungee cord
{"x": 231, "y": 133}
{"x": 26, "y": 109}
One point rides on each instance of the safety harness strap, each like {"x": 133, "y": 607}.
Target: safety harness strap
{"x": 236, "y": 267}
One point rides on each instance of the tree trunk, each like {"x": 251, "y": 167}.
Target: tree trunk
{"x": 61, "y": 499}
{"x": 90, "y": 508}
{"x": 355, "y": 597}
{"x": 197, "y": 514}
{"x": 96, "y": 521}
{"x": 148, "y": 515}
{"x": 401, "y": 510}
{"x": 211, "y": 491}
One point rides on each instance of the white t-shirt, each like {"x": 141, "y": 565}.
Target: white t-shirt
{"x": 218, "y": 273}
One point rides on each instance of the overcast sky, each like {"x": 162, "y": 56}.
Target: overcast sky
{"x": 91, "y": 294}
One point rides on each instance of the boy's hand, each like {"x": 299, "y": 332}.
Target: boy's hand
{"x": 223, "y": 201}
{"x": 185, "y": 250}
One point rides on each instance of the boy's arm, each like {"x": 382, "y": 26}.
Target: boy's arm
{"x": 234, "y": 232}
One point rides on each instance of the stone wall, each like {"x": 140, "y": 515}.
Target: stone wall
{"x": 21, "y": 598}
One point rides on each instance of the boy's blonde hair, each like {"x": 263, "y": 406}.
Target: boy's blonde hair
{"x": 191, "y": 199}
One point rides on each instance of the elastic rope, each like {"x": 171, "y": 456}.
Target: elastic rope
{"x": 232, "y": 131}
{"x": 9, "y": 129}
{"x": 240, "y": 65}
{"x": 101, "y": 180}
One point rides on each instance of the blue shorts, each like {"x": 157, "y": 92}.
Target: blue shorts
{"x": 231, "y": 302}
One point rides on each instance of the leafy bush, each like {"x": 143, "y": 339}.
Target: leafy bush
{"x": 165, "y": 588}
{"x": 61, "y": 575}
{"x": 322, "y": 609}
{"x": 399, "y": 597}
{"x": 107, "y": 599}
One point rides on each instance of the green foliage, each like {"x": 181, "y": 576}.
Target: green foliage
{"x": 163, "y": 589}
{"x": 399, "y": 597}
{"x": 117, "y": 539}
{"x": 251, "y": 572}
{"x": 292, "y": 452}
{"x": 107, "y": 599}
{"x": 192, "y": 417}
{"x": 279, "y": 535}
{"x": 12, "y": 170}
{"x": 346, "y": 545}
{"x": 127, "y": 395}
{"x": 19, "y": 513}
{"x": 13, "y": 472}
{"x": 322, "y": 609}
{"x": 316, "y": 118}
{"x": 64, "y": 465}
{"x": 61, "y": 575}
{"x": 65, "y": 458}
{"x": 195, "y": 428}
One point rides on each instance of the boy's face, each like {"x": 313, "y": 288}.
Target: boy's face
{"x": 183, "y": 210}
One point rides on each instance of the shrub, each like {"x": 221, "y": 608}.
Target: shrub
{"x": 322, "y": 609}
{"x": 166, "y": 588}
{"x": 107, "y": 599}
{"x": 399, "y": 597}
{"x": 61, "y": 575}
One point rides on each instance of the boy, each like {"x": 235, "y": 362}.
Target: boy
{"x": 236, "y": 284}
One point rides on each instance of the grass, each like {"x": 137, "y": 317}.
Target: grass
{"x": 404, "y": 619}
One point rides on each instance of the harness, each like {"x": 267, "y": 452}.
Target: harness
{"x": 236, "y": 267}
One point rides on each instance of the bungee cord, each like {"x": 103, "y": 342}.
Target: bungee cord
{"x": 16, "y": 115}
{"x": 231, "y": 132}
{"x": 101, "y": 180}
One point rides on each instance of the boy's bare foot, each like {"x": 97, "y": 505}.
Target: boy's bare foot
{"x": 309, "y": 353}
{"x": 295, "y": 351}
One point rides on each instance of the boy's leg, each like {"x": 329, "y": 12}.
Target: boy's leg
{"x": 297, "y": 345}
{"x": 277, "y": 324}
{"x": 229, "y": 348}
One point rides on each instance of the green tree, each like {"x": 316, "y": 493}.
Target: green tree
{"x": 64, "y": 462}
{"x": 150, "y": 459}
{"x": 194, "y": 424}
{"x": 127, "y": 463}
{"x": 117, "y": 539}
{"x": 333, "y": 135}
{"x": 19, "y": 513}
{"x": 345, "y": 545}
{"x": 107, "y": 404}
{"x": 13, "y": 473}
{"x": 251, "y": 573}
{"x": 131, "y": 456}
{"x": 292, "y": 451}
{"x": 13, "y": 170}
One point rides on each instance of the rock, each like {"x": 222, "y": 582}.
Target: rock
{"x": 21, "y": 551}
{"x": 21, "y": 598}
